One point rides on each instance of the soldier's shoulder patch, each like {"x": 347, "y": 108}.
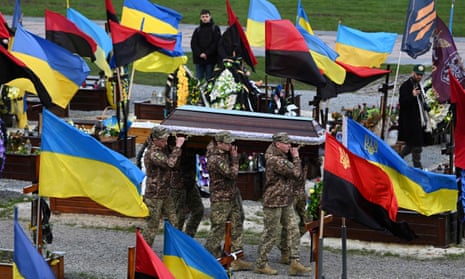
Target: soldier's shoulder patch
{"x": 159, "y": 155}
{"x": 222, "y": 165}
{"x": 288, "y": 164}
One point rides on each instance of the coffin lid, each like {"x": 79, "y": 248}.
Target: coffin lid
{"x": 243, "y": 125}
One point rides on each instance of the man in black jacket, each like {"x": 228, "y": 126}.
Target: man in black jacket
{"x": 204, "y": 44}
{"x": 412, "y": 116}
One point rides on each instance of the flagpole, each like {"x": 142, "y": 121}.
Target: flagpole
{"x": 344, "y": 248}
{"x": 131, "y": 262}
{"x": 394, "y": 90}
{"x": 319, "y": 268}
{"x": 451, "y": 16}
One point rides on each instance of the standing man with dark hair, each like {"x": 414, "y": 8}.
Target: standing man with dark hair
{"x": 204, "y": 45}
{"x": 159, "y": 162}
{"x": 412, "y": 116}
{"x": 225, "y": 197}
{"x": 281, "y": 174}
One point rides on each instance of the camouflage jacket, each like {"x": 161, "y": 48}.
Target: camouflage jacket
{"x": 281, "y": 176}
{"x": 183, "y": 173}
{"x": 223, "y": 170}
{"x": 159, "y": 162}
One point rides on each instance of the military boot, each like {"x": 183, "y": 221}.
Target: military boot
{"x": 297, "y": 268}
{"x": 285, "y": 258}
{"x": 239, "y": 264}
{"x": 265, "y": 270}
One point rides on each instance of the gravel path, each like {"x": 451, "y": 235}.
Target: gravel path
{"x": 96, "y": 247}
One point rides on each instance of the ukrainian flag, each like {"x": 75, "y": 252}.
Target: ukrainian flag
{"x": 96, "y": 32}
{"x": 159, "y": 21}
{"x": 359, "y": 48}
{"x": 60, "y": 71}
{"x": 324, "y": 56}
{"x": 74, "y": 164}
{"x": 163, "y": 61}
{"x": 149, "y": 17}
{"x": 259, "y": 11}
{"x": 28, "y": 263}
{"x": 425, "y": 192}
{"x": 187, "y": 259}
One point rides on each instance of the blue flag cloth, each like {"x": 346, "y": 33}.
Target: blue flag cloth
{"x": 30, "y": 264}
{"x": 17, "y": 17}
{"x": 187, "y": 259}
{"x": 75, "y": 164}
{"x": 419, "y": 26}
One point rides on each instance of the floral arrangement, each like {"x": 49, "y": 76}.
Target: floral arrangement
{"x": 438, "y": 112}
{"x": 182, "y": 86}
{"x": 314, "y": 198}
{"x": 194, "y": 92}
{"x": 223, "y": 91}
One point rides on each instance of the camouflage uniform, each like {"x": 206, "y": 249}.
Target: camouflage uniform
{"x": 225, "y": 200}
{"x": 186, "y": 195}
{"x": 280, "y": 177}
{"x": 159, "y": 162}
{"x": 299, "y": 204}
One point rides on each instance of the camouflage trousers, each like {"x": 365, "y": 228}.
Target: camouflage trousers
{"x": 189, "y": 209}
{"x": 158, "y": 208}
{"x": 301, "y": 218}
{"x": 286, "y": 217}
{"x": 220, "y": 213}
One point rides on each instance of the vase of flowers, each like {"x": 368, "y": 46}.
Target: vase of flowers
{"x": 314, "y": 200}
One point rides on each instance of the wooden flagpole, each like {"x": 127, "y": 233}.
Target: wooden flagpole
{"x": 131, "y": 262}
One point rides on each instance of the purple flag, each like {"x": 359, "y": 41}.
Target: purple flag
{"x": 445, "y": 57}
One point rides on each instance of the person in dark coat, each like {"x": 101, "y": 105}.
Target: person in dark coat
{"x": 412, "y": 116}
{"x": 204, "y": 45}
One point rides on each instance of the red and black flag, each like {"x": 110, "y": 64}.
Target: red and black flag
{"x": 356, "y": 189}
{"x": 287, "y": 54}
{"x": 12, "y": 68}
{"x": 457, "y": 97}
{"x": 148, "y": 264}
{"x": 356, "y": 78}
{"x": 65, "y": 33}
{"x": 111, "y": 14}
{"x": 5, "y": 31}
{"x": 234, "y": 42}
{"x": 130, "y": 44}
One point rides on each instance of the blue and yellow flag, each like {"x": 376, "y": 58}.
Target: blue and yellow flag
{"x": 98, "y": 34}
{"x": 187, "y": 259}
{"x": 159, "y": 21}
{"x": 163, "y": 61}
{"x": 74, "y": 164}
{"x": 419, "y": 27}
{"x": 61, "y": 71}
{"x": 302, "y": 19}
{"x": 17, "y": 15}
{"x": 27, "y": 260}
{"x": 324, "y": 56}
{"x": 149, "y": 17}
{"x": 425, "y": 192}
{"x": 259, "y": 11}
{"x": 360, "y": 48}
